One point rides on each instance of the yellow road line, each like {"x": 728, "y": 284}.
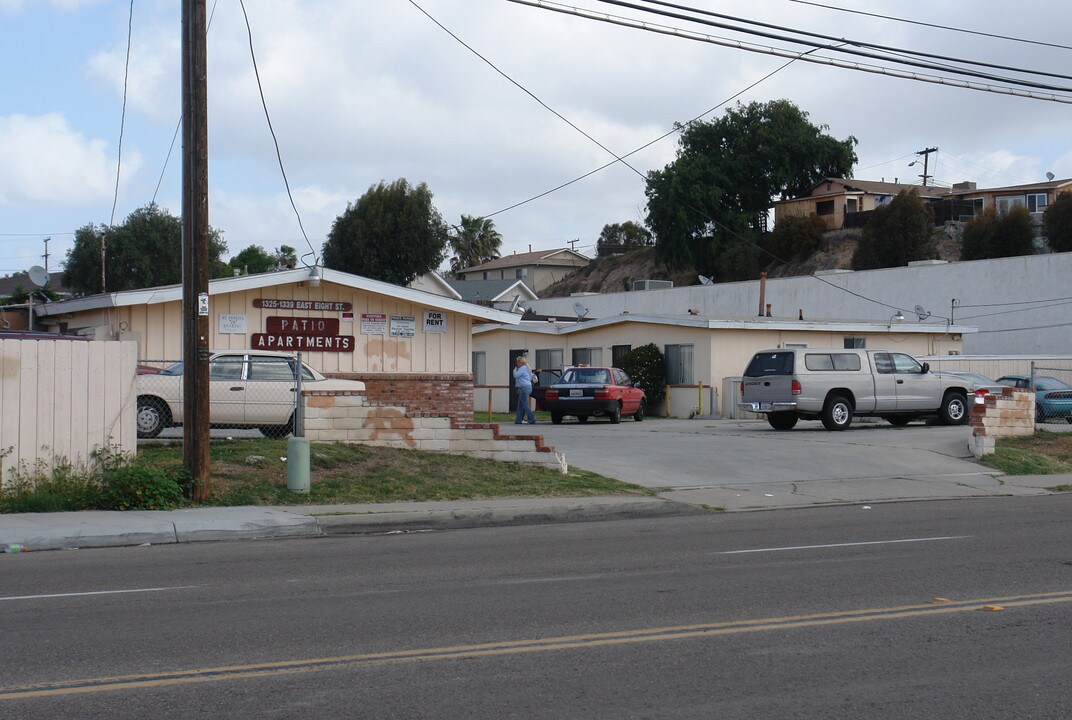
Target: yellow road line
{"x": 514, "y": 647}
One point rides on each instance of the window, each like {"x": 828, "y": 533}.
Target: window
{"x": 519, "y": 273}
{"x": 850, "y": 205}
{"x": 1007, "y": 203}
{"x": 826, "y": 207}
{"x": 617, "y": 352}
{"x": 832, "y": 361}
{"x": 1036, "y": 202}
{"x": 228, "y": 367}
{"x": 771, "y": 363}
{"x": 852, "y": 343}
{"x": 549, "y": 359}
{"x": 487, "y": 275}
{"x": 480, "y": 368}
{"x": 265, "y": 367}
{"x": 906, "y": 364}
{"x": 678, "y": 364}
{"x": 587, "y": 356}
{"x": 883, "y": 364}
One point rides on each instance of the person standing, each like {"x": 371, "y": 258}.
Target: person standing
{"x": 523, "y": 380}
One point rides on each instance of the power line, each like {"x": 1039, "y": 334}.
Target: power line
{"x": 123, "y": 117}
{"x": 275, "y": 140}
{"x": 932, "y": 25}
{"x": 780, "y": 52}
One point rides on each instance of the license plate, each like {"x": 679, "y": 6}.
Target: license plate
{"x": 576, "y": 393}
{"x": 764, "y": 406}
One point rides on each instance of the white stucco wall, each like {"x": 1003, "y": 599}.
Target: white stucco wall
{"x": 1022, "y": 304}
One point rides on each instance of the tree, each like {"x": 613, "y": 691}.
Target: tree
{"x": 990, "y": 235}
{"x": 796, "y": 237}
{"x": 145, "y": 251}
{"x": 475, "y": 242}
{"x": 1057, "y": 223}
{"x": 255, "y": 259}
{"x": 726, "y": 174}
{"x": 622, "y": 238}
{"x": 896, "y": 234}
{"x": 391, "y": 233}
{"x": 646, "y": 366}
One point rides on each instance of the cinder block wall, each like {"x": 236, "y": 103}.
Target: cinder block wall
{"x": 421, "y": 394}
{"x": 1011, "y": 413}
{"x": 353, "y": 417}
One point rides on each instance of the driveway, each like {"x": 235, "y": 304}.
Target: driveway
{"x": 738, "y": 464}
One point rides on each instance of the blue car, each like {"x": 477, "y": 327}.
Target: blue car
{"x": 1053, "y": 398}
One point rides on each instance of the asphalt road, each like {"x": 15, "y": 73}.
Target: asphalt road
{"x": 817, "y": 613}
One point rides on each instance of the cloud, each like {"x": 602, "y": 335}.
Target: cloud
{"x": 46, "y": 162}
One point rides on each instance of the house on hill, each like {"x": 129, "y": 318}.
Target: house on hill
{"x": 538, "y": 270}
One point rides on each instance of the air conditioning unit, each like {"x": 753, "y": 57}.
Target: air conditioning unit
{"x": 652, "y": 284}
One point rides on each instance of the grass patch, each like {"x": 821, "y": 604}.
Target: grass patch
{"x": 1044, "y": 453}
{"x": 253, "y": 472}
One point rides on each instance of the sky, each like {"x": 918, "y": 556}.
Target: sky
{"x": 362, "y": 92}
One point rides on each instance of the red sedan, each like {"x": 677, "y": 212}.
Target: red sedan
{"x": 600, "y": 391}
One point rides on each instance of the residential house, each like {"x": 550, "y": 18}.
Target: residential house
{"x": 501, "y": 294}
{"x": 539, "y": 269}
{"x": 840, "y": 201}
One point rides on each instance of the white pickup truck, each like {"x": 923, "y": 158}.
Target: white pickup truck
{"x": 833, "y": 385}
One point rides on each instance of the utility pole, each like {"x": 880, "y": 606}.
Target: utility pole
{"x": 195, "y": 324}
{"x": 926, "y": 153}
{"x": 45, "y": 256}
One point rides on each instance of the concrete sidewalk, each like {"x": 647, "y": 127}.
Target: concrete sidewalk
{"x": 53, "y": 531}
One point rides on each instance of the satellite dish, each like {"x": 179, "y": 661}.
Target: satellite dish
{"x": 38, "y": 276}
{"x": 516, "y": 304}
{"x": 1049, "y": 176}
{"x": 704, "y": 280}
{"x": 921, "y": 313}
{"x": 579, "y": 310}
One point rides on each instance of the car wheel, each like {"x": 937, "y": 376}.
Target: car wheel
{"x": 954, "y": 410}
{"x": 615, "y": 415}
{"x": 556, "y": 418}
{"x": 152, "y": 417}
{"x": 782, "y": 420}
{"x": 277, "y": 431}
{"x": 641, "y": 412}
{"x": 899, "y": 420}
{"x": 582, "y": 418}
{"x": 837, "y": 413}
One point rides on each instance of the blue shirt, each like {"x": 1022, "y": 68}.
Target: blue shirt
{"x": 523, "y": 376}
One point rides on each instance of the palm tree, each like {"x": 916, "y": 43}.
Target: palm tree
{"x": 474, "y": 242}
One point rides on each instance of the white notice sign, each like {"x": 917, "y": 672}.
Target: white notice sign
{"x": 232, "y": 324}
{"x": 435, "y": 322}
{"x": 403, "y": 325}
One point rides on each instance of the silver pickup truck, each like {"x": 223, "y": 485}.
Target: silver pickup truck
{"x": 834, "y": 385}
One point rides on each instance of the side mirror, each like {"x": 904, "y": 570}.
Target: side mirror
{"x": 926, "y": 367}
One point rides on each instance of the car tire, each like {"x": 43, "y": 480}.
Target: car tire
{"x": 277, "y": 432}
{"x": 615, "y": 415}
{"x": 641, "y": 412}
{"x": 582, "y": 418}
{"x": 782, "y": 420}
{"x": 556, "y": 418}
{"x": 837, "y": 413}
{"x": 152, "y": 417}
{"x": 954, "y": 409}
{"x": 899, "y": 420}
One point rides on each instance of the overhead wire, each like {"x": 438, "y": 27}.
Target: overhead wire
{"x": 123, "y": 116}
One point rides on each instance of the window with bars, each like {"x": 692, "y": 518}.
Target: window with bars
{"x": 617, "y": 352}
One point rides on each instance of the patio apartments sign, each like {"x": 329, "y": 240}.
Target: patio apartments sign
{"x": 300, "y": 333}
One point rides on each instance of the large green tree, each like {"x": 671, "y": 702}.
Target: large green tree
{"x": 896, "y": 234}
{"x": 392, "y": 233}
{"x": 255, "y": 259}
{"x": 990, "y": 235}
{"x": 1057, "y": 223}
{"x": 623, "y": 237}
{"x": 474, "y": 242}
{"x": 145, "y": 251}
{"x": 704, "y": 207}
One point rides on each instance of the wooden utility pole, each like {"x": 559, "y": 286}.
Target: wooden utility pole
{"x": 926, "y": 153}
{"x": 195, "y": 317}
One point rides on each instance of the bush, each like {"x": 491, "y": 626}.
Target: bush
{"x": 64, "y": 488}
{"x": 140, "y": 487}
{"x": 796, "y": 237}
{"x": 896, "y": 234}
{"x": 646, "y": 366}
{"x": 994, "y": 236}
{"x": 1057, "y": 223}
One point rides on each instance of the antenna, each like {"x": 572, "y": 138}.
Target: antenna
{"x": 580, "y": 310}
{"x": 704, "y": 280}
{"x": 516, "y": 304}
{"x": 921, "y": 313}
{"x": 38, "y": 276}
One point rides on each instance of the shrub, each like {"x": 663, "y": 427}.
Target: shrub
{"x": 896, "y": 234}
{"x": 796, "y": 237}
{"x": 990, "y": 235}
{"x": 1057, "y": 223}
{"x": 140, "y": 487}
{"x": 63, "y": 488}
{"x": 646, "y": 366}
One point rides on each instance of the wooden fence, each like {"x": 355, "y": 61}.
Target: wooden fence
{"x": 63, "y": 400}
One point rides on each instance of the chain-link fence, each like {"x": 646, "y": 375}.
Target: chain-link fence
{"x": 1053, "y": 392}
{"x": 246, "y": 391}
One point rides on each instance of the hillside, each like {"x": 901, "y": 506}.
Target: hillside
{"x": 617, "y": 273}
